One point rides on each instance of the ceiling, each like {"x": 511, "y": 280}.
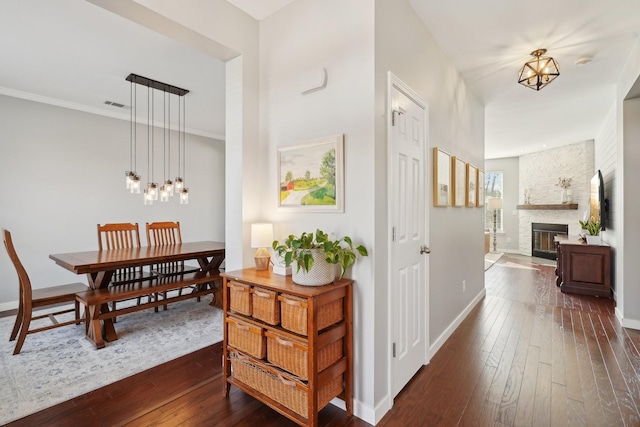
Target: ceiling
{"x": 75, "y": 54}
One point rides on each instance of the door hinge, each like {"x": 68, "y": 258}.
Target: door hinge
{"x": 393, "y": 116}
{"x": 394, "y": 349}
{"x": 393, "y": 234}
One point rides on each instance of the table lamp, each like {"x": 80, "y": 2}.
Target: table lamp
{"x": 262, "y": 238}
{"x": 495, "y": 204}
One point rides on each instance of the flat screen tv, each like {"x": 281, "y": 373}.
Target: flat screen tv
{"x": 597, "y": 202}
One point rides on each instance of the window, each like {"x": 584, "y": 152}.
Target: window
{"x": 493, "y": 187}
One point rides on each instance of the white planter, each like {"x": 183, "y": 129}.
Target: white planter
{"x": 322, "y": 273}
{"x": 593, "y": 240}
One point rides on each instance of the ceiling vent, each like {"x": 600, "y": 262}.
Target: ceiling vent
{"x": 114, "y": 104}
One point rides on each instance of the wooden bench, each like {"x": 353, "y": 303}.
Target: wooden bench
{"x": 96, "y": 300}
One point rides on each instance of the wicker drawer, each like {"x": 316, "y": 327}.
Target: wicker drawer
{"x": 293, "y": 313}
{"x": 246, "y": 337}
{"x": 266, "y": 306}
{"x": 240, "y": 299}
{"x": 292, "y": 355}
{"x": 279, "y": 386}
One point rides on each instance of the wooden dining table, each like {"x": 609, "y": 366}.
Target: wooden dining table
{"x": 99, "y": 266}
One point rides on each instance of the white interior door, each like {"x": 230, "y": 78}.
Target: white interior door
{"x": 408, "y": 223}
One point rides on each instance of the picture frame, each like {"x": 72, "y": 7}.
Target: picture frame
{"x": 459, "y": 173}
{"x": 480, "y": 199}
{"x": 472, "y": 185}
{"x": 311, "y": 175}
{"x": 441, "y": 178}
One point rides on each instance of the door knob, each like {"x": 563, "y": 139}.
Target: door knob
{"x": 424, "y": 250}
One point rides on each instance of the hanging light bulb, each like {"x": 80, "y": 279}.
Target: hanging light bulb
{"x": 148, "y": 195}
{"x": 164, "y": 194}
{"x": 168, "y": 186}
{"x": 184, "y": 196}
{"x": 135, "y": 184}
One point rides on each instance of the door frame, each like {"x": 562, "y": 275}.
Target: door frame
{"x": 393, "y": 82}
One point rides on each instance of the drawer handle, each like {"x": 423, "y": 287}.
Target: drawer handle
{"x": 239, "y": 287}
{"x": 242, "y": 327}
{"x": 292, "y": 302}
{"x": 284, "y": 342}
{"x": 286, "y": 382}
{"x": 261, "y": 294}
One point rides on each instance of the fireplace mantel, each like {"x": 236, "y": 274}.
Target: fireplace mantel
{"x": 558, "y": 207}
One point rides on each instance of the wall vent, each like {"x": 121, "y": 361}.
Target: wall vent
{"x": 114, "y": 104}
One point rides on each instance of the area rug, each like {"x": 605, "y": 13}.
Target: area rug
{"x": 490, "y": 258}
{"x": 60, "y": 364}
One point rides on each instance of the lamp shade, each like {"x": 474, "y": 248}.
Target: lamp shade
{"x": 261, "y": 235}
{"x": 495, "y": 203}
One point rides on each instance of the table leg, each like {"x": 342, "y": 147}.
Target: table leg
{"x": 101, "y": 280}
{"x": 94, "y": 331}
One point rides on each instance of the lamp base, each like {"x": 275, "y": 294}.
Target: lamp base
{"x": 262, "y": 259}
{"x": 262, "y": 262}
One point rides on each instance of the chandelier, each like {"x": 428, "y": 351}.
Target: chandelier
{"x": 152, "y": 191}
{"x": 538, "y": 72}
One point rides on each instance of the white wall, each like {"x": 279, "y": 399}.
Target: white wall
{"x": 303, "y": 37}
{"x": 404, "y": 46}
{"x": 63, "y": 172}
{"x": 307, "y": 35}
{"x": 626, "y": 211}
{"x": 512, "y": 196}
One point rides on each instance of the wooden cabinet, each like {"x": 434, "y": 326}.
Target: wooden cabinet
{"x": 583, "y": 269}
{"x": 288, "y": 346}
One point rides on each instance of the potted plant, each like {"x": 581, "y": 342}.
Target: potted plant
{"x": 593, "y": 227}
{"x": 316, "y": 249}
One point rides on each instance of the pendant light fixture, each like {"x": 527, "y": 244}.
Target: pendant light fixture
{"x": 152, "y": 191}
{"x": 183, "y": 190}
{"x": 132, "y": 177}
{"x": 538, "y": 72}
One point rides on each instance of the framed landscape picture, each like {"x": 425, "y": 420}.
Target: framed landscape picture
{"x": 472, "y": 185}
{"x": 459, "y": 181}
{"x": 311, "y": 175}
{"x": 480, "y": 184}
{"x": 441, "y": 178}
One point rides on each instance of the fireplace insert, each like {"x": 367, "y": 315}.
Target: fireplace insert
{"x": 542, "y": 235}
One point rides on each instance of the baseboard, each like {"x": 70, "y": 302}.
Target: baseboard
{"x": 7, "y": 306}
{"x": 438, "y": 343}
{"x": 364, "y": 412}
{"x": 628, "y": 323}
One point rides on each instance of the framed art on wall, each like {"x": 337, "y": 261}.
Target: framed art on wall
{"x": 472, "y": 185}
{"x": 459, "y": 181}
{"x": 311, "y": 175}
{"x": 480, "y": 196}
{"x": 441, "y": 178}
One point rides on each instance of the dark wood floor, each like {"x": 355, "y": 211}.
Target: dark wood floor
{"x": 527, "y": 355}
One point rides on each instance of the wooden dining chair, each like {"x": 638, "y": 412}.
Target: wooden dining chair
{"x": 37, "y": 298}
{"x": 168, "y": 233}
{"x": 123, "y": 236}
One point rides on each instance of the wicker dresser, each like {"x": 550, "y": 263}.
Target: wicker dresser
{"x": 288, "y": 346}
